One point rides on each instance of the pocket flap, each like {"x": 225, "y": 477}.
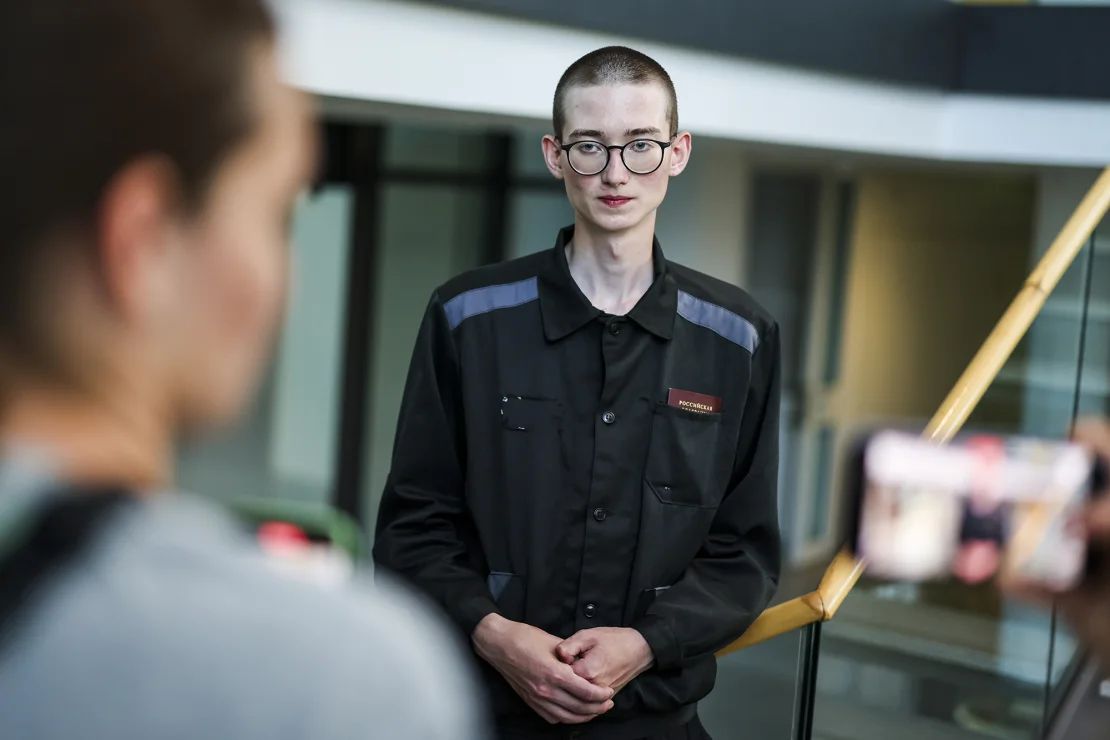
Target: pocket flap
{"x": 498, "y": 582}
{"x": 522, "y": 414}
{"x": 679, "y": 495}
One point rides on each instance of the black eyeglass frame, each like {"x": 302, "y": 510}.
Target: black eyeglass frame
{"x": 609, "y": 154}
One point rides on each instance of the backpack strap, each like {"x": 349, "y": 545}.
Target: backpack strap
{"x": 52, "y": 534}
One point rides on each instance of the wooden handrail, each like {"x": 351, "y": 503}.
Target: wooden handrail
{"x": 844, "y": 571}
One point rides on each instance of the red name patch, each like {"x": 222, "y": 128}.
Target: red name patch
{"x": 699, "y": 403}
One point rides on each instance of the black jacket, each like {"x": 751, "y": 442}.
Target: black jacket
{"x": 571, "y": 469}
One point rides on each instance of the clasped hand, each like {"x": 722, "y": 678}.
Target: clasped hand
{"x": 565, "y": 681}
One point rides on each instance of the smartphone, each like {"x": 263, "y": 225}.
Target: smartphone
{"x": 976, "y": 508}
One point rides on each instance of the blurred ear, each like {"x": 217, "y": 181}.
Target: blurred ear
{"x": 680, "y": 152}
{"x": 553, "y": 156}
{"x": 138, "y": 216}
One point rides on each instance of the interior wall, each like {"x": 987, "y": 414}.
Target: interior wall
{"x": 703, "y": 223}
{"x": 336, "y": 48}
{"x": 936, "y": 258}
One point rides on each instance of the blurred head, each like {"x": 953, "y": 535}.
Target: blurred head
{"x": 613, "y": 97}
{"x": 153, "y": 157}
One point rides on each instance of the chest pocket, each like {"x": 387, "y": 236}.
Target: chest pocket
{"x": 525, "y": 414}
{"x": 532, "y": 441}
{"x": 688, "y": 458}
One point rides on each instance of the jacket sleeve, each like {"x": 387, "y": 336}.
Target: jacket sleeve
{"x": 736, "y": 572}
{"x": 424, "y": 531}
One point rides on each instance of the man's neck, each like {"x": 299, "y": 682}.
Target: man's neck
{"x": 90, "y": 441}
{"x": 612, "y": 269}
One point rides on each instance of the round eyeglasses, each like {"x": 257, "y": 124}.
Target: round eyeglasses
{"x": 640, "y": 156}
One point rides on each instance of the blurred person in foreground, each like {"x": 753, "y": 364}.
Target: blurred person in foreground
{"x": 586, "y": 460}
{"x": 152, "y": 157}
{"x": 1087, "y": 607}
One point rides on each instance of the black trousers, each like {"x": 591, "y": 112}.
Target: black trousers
{"x": 692, "y": 730}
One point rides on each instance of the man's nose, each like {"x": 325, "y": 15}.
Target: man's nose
{"x": 615, "y": 173}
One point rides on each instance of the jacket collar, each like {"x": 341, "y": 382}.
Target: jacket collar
{"x": 565, "y": 309}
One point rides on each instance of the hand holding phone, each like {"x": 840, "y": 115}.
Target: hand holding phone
{"x": 1087, "y": 606}
{"x": 975, "y": 509}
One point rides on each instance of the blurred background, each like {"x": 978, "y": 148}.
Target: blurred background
{"x": 881, "y": 174}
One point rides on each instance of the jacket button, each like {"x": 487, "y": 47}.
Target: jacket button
{"x": 590, "y": 610}
{"x": 600, "y": 514}
{"x": 608, "y": 417}
{"x": 615, "y": 328}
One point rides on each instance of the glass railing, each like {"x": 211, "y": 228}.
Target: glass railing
{"x": 946, "y": 659}
{"x": 942, "y": 660}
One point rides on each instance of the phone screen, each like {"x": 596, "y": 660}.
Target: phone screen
{"x": 974, "y": 509}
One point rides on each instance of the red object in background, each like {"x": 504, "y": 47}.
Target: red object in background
{"x": 281, "y": 535}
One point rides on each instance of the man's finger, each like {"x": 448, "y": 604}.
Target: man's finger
{"x": 539, "y": 708}
{"x": 588, "y": 668}
{"x": 1094, "y": 433}
{"x": 569, "y": 703}
{"x": 575, "y": 645}
{"x": 1098, "y": 518}
{"x": 555, "y": 714}
{"x": 532, "y": 701}
{"x": 565, "y": 654}
{"x": 582, "y": 689}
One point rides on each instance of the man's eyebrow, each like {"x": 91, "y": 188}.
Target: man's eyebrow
{"x": 595, "y": 134}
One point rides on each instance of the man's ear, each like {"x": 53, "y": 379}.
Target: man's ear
{"x": 135, "y": 218}
{"x": 553, "y": 156}
{"x": 680, "y": 152}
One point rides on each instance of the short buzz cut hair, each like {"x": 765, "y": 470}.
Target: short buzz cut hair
{"x": 613, "y": 65}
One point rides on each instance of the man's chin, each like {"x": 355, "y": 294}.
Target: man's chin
{"x": 615, "y": 222}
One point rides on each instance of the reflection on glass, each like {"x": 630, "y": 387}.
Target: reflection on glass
{"x": 754, "y": 695}
{"x": 431, "y": 148}
{"x": 429, "y": 234}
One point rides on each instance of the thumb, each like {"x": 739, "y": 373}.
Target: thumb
{"x": 1098, "y": 518}
{"x": 568, "y": 650}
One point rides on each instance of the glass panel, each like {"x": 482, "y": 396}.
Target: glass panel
{"x": 528, "y": 153}
{"x": 434, "y": 149}
{"x": 841, "y": 238}
{"x": 1094, "y": 399}
{"x": 944, "y": 659}
{"x": 819, "y": 509}
{"x": 285, "y": 446}
{"x": 535, "y": 217}
{"x": 429, "y": 234}
{"x": 1094, "y": 396}
{"x": 734, "y": 711}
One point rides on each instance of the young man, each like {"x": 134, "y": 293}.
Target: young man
{"x": 585, "y": 465}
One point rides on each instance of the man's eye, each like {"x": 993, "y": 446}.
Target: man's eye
{"x": 641, "y": 146}
{"x": 589, "y": 148}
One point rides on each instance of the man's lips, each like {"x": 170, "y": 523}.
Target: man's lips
{"x": 614, "y": 201}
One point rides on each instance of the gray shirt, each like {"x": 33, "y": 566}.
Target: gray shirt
{"x": 173, "y": 625}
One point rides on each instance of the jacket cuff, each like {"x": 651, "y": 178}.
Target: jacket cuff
{"x": 661, "y": 639}
{"x": 468, "y": 612}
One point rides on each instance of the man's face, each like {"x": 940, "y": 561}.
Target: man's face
{"x": 234, "y": 267}
{"x": 616, "y": 199}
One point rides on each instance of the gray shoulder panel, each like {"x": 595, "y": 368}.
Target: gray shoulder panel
{"x": 733, "y": 327}
{"x": 490, "y": 298}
